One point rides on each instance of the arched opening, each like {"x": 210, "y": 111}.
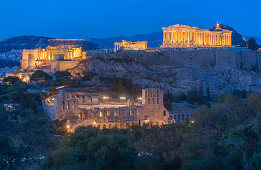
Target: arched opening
{"x": 74, "y": 104}
{"x": 80, "y": 116}
{"x": 104, "y": 126}
{"x": 164, "y": 113}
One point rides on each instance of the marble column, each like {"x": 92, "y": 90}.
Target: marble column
{"x": 176, "y": 37}
{"x": 181, "y": 37}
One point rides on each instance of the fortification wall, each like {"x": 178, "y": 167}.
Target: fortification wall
{"x": 63, "y": 65}
{"x": 194, "y": 58}
{"x": 50, "y": 110}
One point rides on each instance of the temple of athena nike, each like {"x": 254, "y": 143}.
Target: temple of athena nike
{"x": 187, "y": 36}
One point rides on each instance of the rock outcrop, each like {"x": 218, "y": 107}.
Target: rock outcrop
{"x": 220, "y": 79}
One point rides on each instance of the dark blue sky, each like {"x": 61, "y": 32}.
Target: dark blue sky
{"x": 107, "y": 18}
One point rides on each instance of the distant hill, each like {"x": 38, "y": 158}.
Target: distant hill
{"x": 8, "y": 63}
{"x": 237, "y": 39}
{"x": 31, "y": 42}
{"x": 154, "y": 39}
{"x": 23, "y": 42}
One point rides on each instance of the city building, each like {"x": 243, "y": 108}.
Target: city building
{"x": 187, "y": 36}
{"x": 128, "y": 45}
{"x": 82, "y": 109}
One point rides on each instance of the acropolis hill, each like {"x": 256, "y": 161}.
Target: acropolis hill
{"x": 182, "y": 46}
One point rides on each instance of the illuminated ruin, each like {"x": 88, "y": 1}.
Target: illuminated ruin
{"x": 128, "y": 45}
{"x": 57, "y": 58}
{"x": 82, "y": 109}
{"x": 187, "y": 36}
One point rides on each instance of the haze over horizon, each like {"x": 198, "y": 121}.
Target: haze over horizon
{"x": 102, "y": 19}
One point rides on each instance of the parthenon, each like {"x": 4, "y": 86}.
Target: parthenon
{"x": 187, "y": 36}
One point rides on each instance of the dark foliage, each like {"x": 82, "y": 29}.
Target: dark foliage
{"x": 12, "y": 80}
{"x": 40, "y": 75}
{"x": 251, "y": 44}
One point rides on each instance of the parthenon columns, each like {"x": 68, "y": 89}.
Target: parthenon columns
{"x": 196, "y": 38}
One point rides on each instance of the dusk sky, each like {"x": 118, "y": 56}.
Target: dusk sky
{"x": 107, "y": 18}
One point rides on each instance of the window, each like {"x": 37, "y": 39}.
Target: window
{"x": 157, "y": 100}
{"x": 164, "y": 113}
{"x": 148, "y": 101}
{"x": 63, "y": 106}
{"x": 153, "y": 101}
{"x": 68, "y": 104}
{"x": 74, "y": 104}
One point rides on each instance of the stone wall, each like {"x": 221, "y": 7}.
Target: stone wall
{"x": 198, "y": 58}
{"x": 50, "y": 110}
{"x": 63, "y": 65}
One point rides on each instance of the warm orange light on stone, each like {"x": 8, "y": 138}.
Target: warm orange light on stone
{"x": 187, "y": 36}
{"x": 128, "y": 45}
{"x": 38, "y": 57}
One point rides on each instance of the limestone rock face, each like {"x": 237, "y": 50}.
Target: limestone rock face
{"x": 220, "y": 79}
{"x": 237, "y": 39}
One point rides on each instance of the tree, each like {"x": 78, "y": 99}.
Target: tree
{"x": 208, "y": 94}
{"x": 87, "y": 148}
{"x": 167, "y": 100}
{"x": 251, "y": 44}
{"x": 62, "y": 76}
{"x": 39, "y": 75}
{"x": 192, "y": 96}
{"x": 12, "y": 80}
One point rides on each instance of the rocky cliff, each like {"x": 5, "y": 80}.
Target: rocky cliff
{"x": 176, "y": 79}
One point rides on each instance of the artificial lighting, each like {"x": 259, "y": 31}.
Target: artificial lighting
{"x": 192, "y": 121}
{"x": 146, "y": 121}
{"x": 122, "y": 98}
{"x": 94, "y": 123}
{"x": 68, "y": 126}
{"x": 105, "y": 97}
{"x": 140, "y": 98}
